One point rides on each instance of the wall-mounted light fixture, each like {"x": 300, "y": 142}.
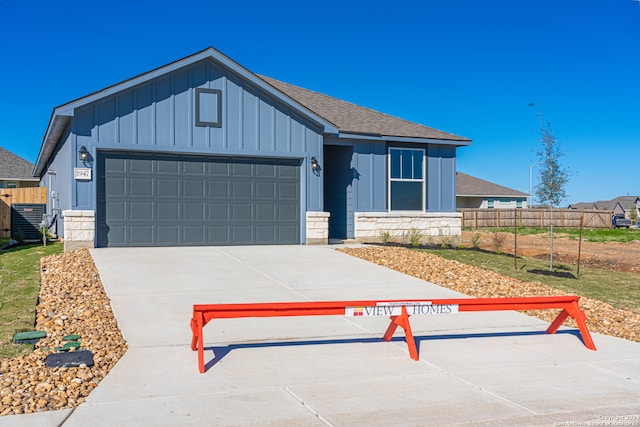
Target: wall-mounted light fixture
{"x": 314, "y": 164}
{"x": 84, "y": 154}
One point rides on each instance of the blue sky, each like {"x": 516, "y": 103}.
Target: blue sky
{"x": 463, "y": 66}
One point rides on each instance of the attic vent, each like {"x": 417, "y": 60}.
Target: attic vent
{"x": 208, "y": 107}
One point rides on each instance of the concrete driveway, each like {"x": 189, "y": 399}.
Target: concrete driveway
{"x": 495, "y": 368}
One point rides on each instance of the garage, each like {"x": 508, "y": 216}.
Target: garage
{"x": 174, "y": 200}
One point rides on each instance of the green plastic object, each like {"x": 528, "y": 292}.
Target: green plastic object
{"x": 71, "y": 344}
{"x": 71, "y": 337}
{"x": 68, "y": 346}
{"x": 30, "y": 335}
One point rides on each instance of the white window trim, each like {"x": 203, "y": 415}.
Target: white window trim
{"x": 423, "y": 180}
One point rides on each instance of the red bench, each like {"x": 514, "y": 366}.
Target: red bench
{"x": 398, "y": 310}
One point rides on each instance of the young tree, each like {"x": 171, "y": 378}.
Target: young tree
{"x": 553, "y": 178}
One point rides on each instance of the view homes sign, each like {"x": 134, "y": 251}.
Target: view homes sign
{"x": 395, "y": 309}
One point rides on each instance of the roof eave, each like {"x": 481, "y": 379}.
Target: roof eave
{"x": 57, "y": 125}
{"x": 379, "y": 137}
{"x": 493, "y": 195}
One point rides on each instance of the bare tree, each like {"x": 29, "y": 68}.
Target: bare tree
{"x": 553, "y": 178}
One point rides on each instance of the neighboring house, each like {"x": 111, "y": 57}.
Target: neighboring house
{"x": 622, "y": 205}
{"x": 472, "y": 192}
{"x": 583, "y": 206}
{"x": 15, "y": 172}
{"x": 204, "y": 152}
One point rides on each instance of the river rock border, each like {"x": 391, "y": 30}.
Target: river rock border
{"x": 72, "y": 300}
{"x": 480, "y": 283}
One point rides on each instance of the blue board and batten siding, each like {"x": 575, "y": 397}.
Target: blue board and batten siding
{"x": 441, "y": 178}
{"x": 370, "y": 186}
{"x": 370, "y": 176}
{"x": 160, "y": 116}
{"x": 58, "y": 178}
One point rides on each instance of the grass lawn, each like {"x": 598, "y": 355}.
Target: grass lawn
{"x": 622, "y": 235}
{"x": 19, "y": 288}
{"x": 622, "y": 290}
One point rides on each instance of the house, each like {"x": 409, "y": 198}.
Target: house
{"x": 472, "y": 192}
{"x": 583, "y": 206}
{"x": 202, "y": 151}
{"x": 628, "y": 206}
{"x": 15, "y": 172}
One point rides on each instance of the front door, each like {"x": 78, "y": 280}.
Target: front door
{"x": 338, "y": 189}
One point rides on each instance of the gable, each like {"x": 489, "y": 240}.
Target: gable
{"x": 157, "y": 90}
{"x": 162, "y": 112}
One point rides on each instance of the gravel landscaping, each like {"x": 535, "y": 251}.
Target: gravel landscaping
{"x": 72, "y": 301}
{"x": 477, "y": 282}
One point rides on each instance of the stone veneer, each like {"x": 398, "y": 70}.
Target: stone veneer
{"x": 79, "y": 226}
{"x": 317, "y": 228}
{"x": 79, "y": 229}
{"x": 434, "y": 226}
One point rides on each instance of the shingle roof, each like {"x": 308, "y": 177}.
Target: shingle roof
{"x": 467, "y": 185}
{"x": 582, "y": 206}
{"x": 352, "y": 118}
{"x": 13, "y": 167}
{"x": 627, "y": 203}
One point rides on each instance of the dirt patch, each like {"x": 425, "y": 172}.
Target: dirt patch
{"x": 609, "y": 256}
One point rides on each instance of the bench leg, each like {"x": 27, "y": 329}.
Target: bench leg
{"x": 197, "y": 341}
{"x": 581, "y": 319}
{"x": 194, "y": 334}
{"x": 403, "y": 322}
{"x": 553, "y": 328}
{"x": 578, "y": 315}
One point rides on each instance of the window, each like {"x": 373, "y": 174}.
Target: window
{"x": 490, "y": 203}
{"x": 208, "y": 107}
{"x": 12, "y": 184}
{"x": 519, "y": 204}
{"x": 406, "y": 179}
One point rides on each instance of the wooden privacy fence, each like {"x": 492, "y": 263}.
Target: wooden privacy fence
{"x": 10, "y": 196}
{"x": 564, "y": 218}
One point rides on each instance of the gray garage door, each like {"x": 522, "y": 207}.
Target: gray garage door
{"x": 166, "y": 200}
